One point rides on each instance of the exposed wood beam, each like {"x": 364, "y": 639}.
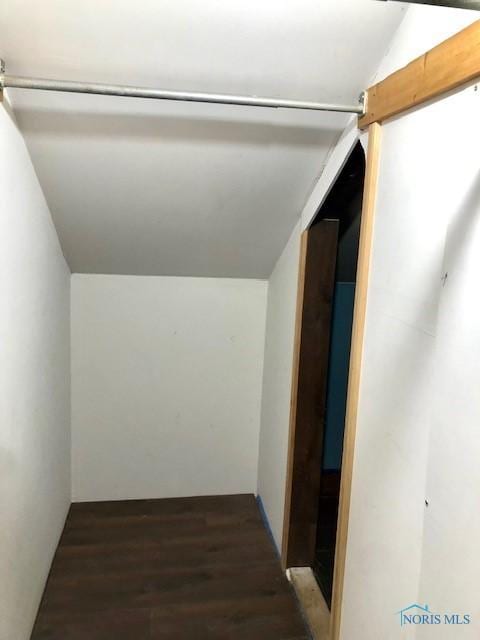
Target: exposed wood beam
{"x": 449, "y": 65}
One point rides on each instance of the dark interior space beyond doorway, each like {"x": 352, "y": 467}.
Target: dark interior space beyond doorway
{"x": 344, "y": 203}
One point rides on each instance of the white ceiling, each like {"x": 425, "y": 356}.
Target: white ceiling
{"x": 169, "y": 188}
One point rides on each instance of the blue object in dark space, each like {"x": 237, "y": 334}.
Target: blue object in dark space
{"x": 337, "y": 382}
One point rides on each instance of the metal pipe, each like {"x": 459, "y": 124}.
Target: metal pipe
{"x": 43, "y": 84}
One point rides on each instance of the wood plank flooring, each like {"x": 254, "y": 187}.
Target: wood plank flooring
{"x": 176, "y": 569}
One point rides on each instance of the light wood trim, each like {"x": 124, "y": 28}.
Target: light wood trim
{"x": 358, "y": 329}
{"x": 449, "y": 65}
{"x": 293, "y": 393}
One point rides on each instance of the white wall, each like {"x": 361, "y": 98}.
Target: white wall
{"x": 34, "y": 383}
{"x": 452, "y": 520}
{"x": 277, "y": 379}
{"x": 336, "y": 161}
{"x": 419, "y": 408}
{"x": 166, "y": 385}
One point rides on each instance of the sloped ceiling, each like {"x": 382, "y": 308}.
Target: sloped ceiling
{"x": 168, "y": 188}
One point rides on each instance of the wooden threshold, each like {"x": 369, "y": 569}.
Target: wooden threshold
{"x": 312, "y": 602}
{"x": 451, "y": 64}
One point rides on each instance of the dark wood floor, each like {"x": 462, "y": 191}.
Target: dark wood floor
{"x": 177, "y": 569}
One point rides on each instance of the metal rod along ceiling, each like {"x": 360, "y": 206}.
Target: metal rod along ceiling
{"x": 43, "y": 84}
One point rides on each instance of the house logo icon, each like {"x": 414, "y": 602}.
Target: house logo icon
{"x": 414, "y": 610}
{"x": 420, "y": 614}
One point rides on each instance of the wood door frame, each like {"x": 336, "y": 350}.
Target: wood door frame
{"x": 316, "y": 280}
{"x": 356, "y": 354}
{"x": 453, "y": 64}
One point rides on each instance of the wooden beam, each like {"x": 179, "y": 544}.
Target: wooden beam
{"x": 293, "y": 395}
{"x": 449, "y": 65}
{"x": 309, "y": 389}
{"x": 356, "y": 352}
{"x": 314, "y": 349}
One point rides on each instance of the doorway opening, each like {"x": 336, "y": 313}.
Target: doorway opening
{"x": 326, "y": 291}
{"x": 345, "y": 204}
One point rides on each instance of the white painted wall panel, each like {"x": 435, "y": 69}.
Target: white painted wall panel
{"x": 386, "y": 518}
{"x": 166, "y": 385}
{"x": 277, "y": 379}
{"x": 450, "y": 557}
{"x": 35, "y": 387}
{"x": 418, "y": 407}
